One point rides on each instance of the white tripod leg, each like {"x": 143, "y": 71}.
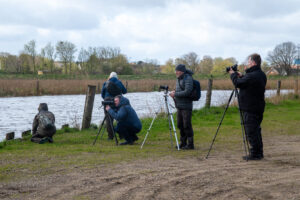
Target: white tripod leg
{"x": 149, "y": 130}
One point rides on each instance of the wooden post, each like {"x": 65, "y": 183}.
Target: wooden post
{"x": 10, "y": 136}
{"x": 278, "y": 87}
{"x": 296, "y": 86}
{"x": 26, "y": 133}
{"x": 37, "y": 87}
{"x": 88, "y": 108}
{"x": 208, "y": 93}
{"x": 98, "y": 88}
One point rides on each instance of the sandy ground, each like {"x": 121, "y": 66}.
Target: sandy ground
{"x": 222, "y": 176}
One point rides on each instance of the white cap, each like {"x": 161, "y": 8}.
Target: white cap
{"x": 113, "y": 74}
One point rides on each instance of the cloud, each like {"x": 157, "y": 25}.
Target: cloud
{"x": 153, "y": 29}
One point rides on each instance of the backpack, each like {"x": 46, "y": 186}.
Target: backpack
{"x": 113, "y": 89}
{"x": 196, "y": 91}
{"x": 45, "y": 122}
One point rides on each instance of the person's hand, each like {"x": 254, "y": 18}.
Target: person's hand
{"x": 107, "y": 107}
{"x": 231, "y": 71}
{"x": 172, "y": 94}
{"x": 239, "y": 74}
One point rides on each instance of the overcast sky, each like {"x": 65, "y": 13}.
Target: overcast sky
{"x": 153, "y": 29}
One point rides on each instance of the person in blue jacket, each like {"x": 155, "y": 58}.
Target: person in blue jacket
{"x": 112, "y": 87}
{"x": 128, "y": 122}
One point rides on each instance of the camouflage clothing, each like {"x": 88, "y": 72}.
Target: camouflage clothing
{"x": 38, "y": 132}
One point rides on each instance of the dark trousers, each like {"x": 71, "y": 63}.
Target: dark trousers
{"x": 127, "y": 132}
{"x": 253, "y": 132}
{"x": 184, "y": 123}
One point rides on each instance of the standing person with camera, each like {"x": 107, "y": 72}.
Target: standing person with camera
{"x": 128, "y": 122}
{"x": 252, "y": 103}
{"x": 184, "y": 105}
{"x": 111, "y": 88}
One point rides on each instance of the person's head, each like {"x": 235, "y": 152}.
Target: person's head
{"x": 117, "y": 100}
{"x": 179, "y": 70}
{"x": 43, "y": 106}
{"x": 113, "y": 74}
{"x": 253, "y": 60}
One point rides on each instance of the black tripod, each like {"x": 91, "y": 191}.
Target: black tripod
{"x": 245, "y": 140}
{"x": 170, "y": 119}
{"x": 112, "y": 128}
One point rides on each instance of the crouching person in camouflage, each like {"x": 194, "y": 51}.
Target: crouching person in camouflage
{"x": 43, "y": 127}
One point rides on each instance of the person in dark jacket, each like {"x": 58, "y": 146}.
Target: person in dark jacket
{"x": 252, "y": 103}
{"x": 128, "y": 122}
{"x": 184, "y": 105}
{"x": 113, "y": 77}
{"x": 43, "y": 127}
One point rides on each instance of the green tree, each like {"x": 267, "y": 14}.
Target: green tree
{"x": 220, "y": 65}
{"x": 30, "y": 49}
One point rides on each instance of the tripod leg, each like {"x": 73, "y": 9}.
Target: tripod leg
{"x": 99, "y": 130}
{"x": 220, "y": 124}
{"x": 103, "y": 131}
{"x": 112, "y": 127}
{"x": 149, "y": 130}
{"x": 174, "y": 129}
{"x": 245, "y": 139}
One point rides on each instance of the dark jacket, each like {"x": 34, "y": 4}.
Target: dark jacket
{"x": 105, "y": 93}
{"x": 252, "y": 89}
{"x": 126, "y": 114}
{"x": 183, "y": 91}
{"x": 37, "y": 129}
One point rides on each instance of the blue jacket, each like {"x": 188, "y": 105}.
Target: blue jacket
{"x": 105, "y": 93}
{"x": 126, "y": 114}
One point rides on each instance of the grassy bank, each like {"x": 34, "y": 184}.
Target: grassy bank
{"x": 26, "y": 87}
{"x": 21, "y": 159}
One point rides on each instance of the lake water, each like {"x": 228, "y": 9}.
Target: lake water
{"x": 17, "y": 113}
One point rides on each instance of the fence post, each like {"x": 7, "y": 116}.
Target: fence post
{"x": 37, "y": 87}
{"x": 10, "y": 136}
{"x": 296, "y": 87}
{"x": 98, "y": 88}
{"x": 208, "y": 93}
{"x": 278, "y": 87}
{"x": 88, "y": 107}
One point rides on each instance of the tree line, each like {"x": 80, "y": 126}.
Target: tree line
{"x": 61, "y": 58}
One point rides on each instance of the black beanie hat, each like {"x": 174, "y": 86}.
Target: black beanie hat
{"x": 181, "y": 68}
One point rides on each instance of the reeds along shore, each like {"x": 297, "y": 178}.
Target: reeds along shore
{"x": 19, "y": 87}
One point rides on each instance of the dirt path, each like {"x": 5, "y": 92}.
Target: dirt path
{"x": 222, "y": 176}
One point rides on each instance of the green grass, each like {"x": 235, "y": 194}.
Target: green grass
{"x": 73, "y": 149}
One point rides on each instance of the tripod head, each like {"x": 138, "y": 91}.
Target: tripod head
{"x": 164, "y": 87}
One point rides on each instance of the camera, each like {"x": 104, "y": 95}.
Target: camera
{"x": 233, "y": 67}
{"x": 108, "y": 102}
{"x": 163, "y": 87}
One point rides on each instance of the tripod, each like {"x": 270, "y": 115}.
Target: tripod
{"x": 101, "y": 126}
{"x": 170, "y": 119}
{"x": 245, "y": 140}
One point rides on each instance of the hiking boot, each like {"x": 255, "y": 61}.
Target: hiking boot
{"x": 50, "y": 139}
{"x": 126, "y": 143}
{"x": 190, "y": 144}
{"x": 182, "y": 142}
{"x": 251, "y": 157}
{"x": 44, "y": 140}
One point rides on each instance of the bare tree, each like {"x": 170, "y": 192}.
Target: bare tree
{"x": 66, "y": 51}
{"x": 191, "y": 61}
{"x": 206, "y": 65}
{"x": 30, "y": 49}
{"x": 282, "y": 57}
{"x": 48, "y": 52}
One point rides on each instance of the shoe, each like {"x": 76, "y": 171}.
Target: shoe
{"x": 136, "y": 138}
{"x": 50, "y": 139}
{"x": 126, "y": 143}
{"x": 44, "y": 140}
{"x": 188, "y": 147}
{"x": 253, "y": 157}
{"x": 181, "y": 145}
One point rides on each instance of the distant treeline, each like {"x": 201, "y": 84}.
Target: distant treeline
{"x": 61, "y": 59}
